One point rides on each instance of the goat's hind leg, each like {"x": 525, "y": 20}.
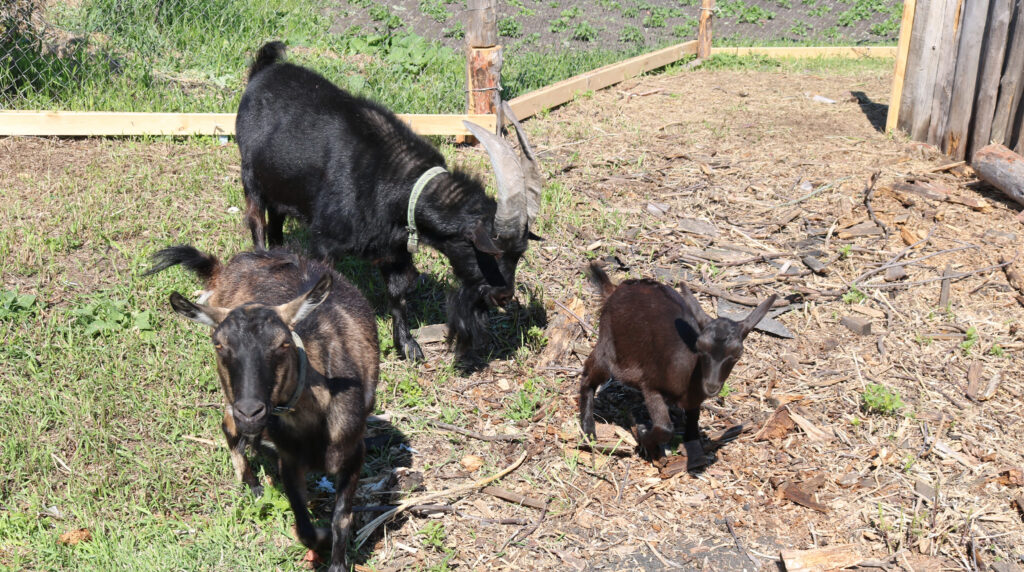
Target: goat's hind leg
{"x": 593, "y": 376}
{"x": 254, "y": 217}
{"x": 341, "y": 521}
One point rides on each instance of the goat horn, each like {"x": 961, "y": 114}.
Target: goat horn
{"x": 531, "y": 170}
{"x": 510, "y": 217}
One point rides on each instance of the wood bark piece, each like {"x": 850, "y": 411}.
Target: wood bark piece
{"x": 513, "y": 497}
{"x": 562, "y": 331}
{"x": 704, "y": 30}
{"x": 821, "y": 559}
{"x": 956, "y": 136}
{"x": 813, "y": 432}
{"x": 777, "y": 427}
{"x": 1002, "y": 168}
{"x": 996, "y": 32}
{"x": 944, "y": 289}
{"x": 857, "y": 324}
{"x": 902, "y": 51}
{"x": 1019, "y": 501}
{"x": 1011, "y": 87}
{"x": 816, "y": 266}
{"x": 795, "y": 493}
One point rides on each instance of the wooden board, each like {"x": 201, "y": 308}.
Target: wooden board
{"x": 1010, "y": 86}
{"x": 942, "y": 91}
{"x": 992, "y": 56}
{"x": 925, "y": 71}
{"x": 564, "y": 91}
{"x": 961, "y": 107}
{"x": 101, "y": 123}
{"x": 812, "y": 52}
{"x": 915, "y": 68}
{"x": 899, "y": 75}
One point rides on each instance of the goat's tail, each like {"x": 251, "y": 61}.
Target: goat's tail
{"x": 206, "y": 266}
{"x": 269, "y": 54}
{"x": 600, "y": 279}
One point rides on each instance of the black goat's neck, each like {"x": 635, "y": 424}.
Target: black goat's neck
{"x": 449, "y": 204}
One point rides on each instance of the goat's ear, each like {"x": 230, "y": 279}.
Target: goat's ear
{"x": 482, "y": 240}
{"x": 703, "y": 319}
{"x": 295, "y": 311}
{"x": 757, "y": 315}
{"x": 208, "y": 315}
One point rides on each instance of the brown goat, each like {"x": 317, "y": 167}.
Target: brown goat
{"x": 661, "y": 342}
{"x": 298, "y": 360}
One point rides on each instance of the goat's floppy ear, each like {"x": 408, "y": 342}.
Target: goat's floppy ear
{"x": 295, "y": 311}
{"x": 208, "y": 315}
{"x": 480, "y": 238}
{"x": 757, "y": 315}
{"x": 703, "y": 319}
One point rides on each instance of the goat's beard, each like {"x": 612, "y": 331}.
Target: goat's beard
{"x": 467, "y": 320}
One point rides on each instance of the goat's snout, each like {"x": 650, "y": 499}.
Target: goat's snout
{"x": 249, "y": 415}
{"x": 501, "y": 297}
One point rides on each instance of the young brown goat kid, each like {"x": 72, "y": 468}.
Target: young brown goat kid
{"x": 661, "y": 342}
{"x": 298, "y": 358}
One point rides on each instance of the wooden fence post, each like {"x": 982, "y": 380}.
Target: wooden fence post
{"x": 704, "y": 32}
{"x": 901, "y": 64}
{"x": 483, "y": 59}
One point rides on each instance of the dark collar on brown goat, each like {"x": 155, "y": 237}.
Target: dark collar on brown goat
{"x": 300, "y": 386}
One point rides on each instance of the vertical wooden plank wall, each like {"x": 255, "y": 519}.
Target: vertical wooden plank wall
{"x": 962, "y": 79}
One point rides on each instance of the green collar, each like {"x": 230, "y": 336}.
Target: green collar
{"x": 301, "y": 386}
{"x": 421, "y": 183}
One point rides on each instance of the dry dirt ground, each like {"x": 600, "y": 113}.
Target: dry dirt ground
{"x": 728, "y": 179}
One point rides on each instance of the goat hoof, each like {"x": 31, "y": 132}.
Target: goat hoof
{"x": 411, "y": 351}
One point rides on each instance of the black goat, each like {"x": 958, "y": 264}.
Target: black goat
{"x": 661, "y": 342}
{"x": 298, "y": 358}
{"x": 347, "y": 167}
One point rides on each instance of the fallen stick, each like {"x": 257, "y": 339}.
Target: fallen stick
{"x": 956, "y": 276}
{"x": 473, "y": 434}
{"x": 365, "y": 532}
{"x": 739, "y": 545}
{"x": 811, "y": 194}
{"x": 745, "y": 300}
{"x": 513, "y": 497}
{"x": 895, "y": 263}
{"x": 868, "y": 191}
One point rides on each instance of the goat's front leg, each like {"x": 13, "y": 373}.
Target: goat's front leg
{"x": 660, "y": 432}
{"x": 593, "y": 377}
{"x": 293, "y": 477}
{"x": 237, "y": 444}
{"x": 691, "y": 435}
{"x": 341, "y": 521}
{"x": 400, "y": 277}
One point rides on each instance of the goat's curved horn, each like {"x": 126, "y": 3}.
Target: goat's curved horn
{"x": 511, "y": 216}
{"x": 531, "y": 170}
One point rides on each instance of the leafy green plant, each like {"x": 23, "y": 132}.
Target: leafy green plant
{"x": 535, "y": 338}
{"x": 561, "y": 23}
{"x": 523, "y": 404}
{"x": 433, "y": 535}
{"x": 854, "y": 296}
{"x": 726, "y": 390}
{"x": 584, "y": 32}
{"x": 105, "y": 316}
{"x": 14, "y": 305}
{"x": 655, "y": 19}
{"x": 997, "y": 350}
{"x": 819, "y": 11}
{"x": 687, "y": 29}
{"x": 632, "y": 35}
{"x": 435, "y": 9}
{"x": 510, "y": 27}
{"x": 844, "y": 251}
{"x": 879, "y": 399}
{"x": 457, "y": 30}
{"x": 381, "y": 13}
{"x": 799, "y": 28}
{"x": 970, "y": 338}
